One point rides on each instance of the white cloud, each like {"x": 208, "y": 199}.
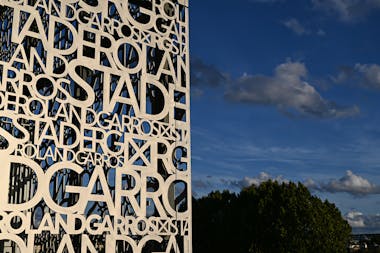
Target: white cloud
{"x": 206, "y": 184}
{"x": 367, "y": 75}
{"x": 311, "y": 184}
{"x": 287, "y": 90}
{"x": 203, "y": 74}
{"x": 350, "y": 183}
{"x": 248, "y": 181}
{"x": 295, "y": 26}
{"x": 321, "y": 32}
{"x": 362, "y": 223}
{"x": 370, "y": 74}
{"x": 347, "y": 10}
{"x": 201, "y": 184}
{"x": 345, "y": 73}
{"x": 355, "y": 219}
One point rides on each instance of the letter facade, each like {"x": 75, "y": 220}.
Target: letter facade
{"x": 94, "y": 126}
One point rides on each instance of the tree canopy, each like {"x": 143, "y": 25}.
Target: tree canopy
{"x": 269, "y": 218}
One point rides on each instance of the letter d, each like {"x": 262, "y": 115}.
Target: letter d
{"x": 5, "y": 184}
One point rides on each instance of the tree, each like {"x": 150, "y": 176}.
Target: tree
{"x": 270, "y": 218}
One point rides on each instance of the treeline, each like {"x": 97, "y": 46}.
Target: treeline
{"x": 270, "y": 218}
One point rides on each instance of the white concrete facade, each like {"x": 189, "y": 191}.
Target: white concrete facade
{"x": 95, "y": 126}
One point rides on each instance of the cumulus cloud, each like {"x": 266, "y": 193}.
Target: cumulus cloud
{"x": 363, "y": 223}
{"x": 248, "y": 181}
{"x": 321, "y": 32}
{"x": 350, "y": 183}
{"x": 201, "y": 184}
{"x": 367, "y": 75}
{"x": 370, "y": 74}
{"x": 344, "y": 74}
{"x": 355, "y": 219}
{"x": 347, "y": 10}
{"x": 298, "y": 28}
{"x": 295, "y": 26}
{"x": 288, "y": 91}
{"x": 207, "y": 184}
{"x": 203, "y": 74}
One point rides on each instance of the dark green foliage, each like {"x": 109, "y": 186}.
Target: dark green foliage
{"x": 271, "y": 218}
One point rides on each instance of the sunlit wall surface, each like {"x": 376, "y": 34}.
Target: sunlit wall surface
{"x": 94, "y": 126}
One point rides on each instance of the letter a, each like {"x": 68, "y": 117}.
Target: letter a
{"x": 66, "y": 243}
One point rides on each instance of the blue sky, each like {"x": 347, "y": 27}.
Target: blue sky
{"x": 289, "y": 90}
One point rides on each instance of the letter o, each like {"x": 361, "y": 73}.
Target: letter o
{"x": 134, "y": 46}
